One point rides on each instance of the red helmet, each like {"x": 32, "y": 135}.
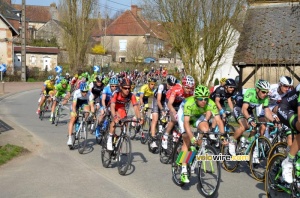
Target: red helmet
{"x": 126, "y": 82}
{"x": 188, "y": 81}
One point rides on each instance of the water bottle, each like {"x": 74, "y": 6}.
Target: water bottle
{"x": 175, "y": 136}
{"x": 104, "y": 125}
{"x": 243, "y": 141}
{"x": 160, "y": 128}
{"x": 298, "y": 165}
{"x": 204, "y": 141}
{"x": 193, "y": 165}
{"x": 76, "y": 126}
{"x": 250, "y": 139}
{"x": 216, "y": 129}
{"x": 267, "y": 135}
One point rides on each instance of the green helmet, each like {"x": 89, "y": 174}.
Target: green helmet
{"x": 64, "y": 82}
{"x": 201, "y": 91}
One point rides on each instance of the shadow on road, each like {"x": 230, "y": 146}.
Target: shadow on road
{"x": 137, "y": 155}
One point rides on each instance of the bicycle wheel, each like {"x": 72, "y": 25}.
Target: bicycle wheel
{"x": 165, "y": 155}
{"x": 273, "y": 183}
{"x": 42, "y": 112}
{"x": 176, "y": 168}
{"x": 105, "y": 154}
{"x": 124, "y": 155}
{"x": 132, "y": 130}
{"x": 279, "y": 147}
{"x": 146, "y": 131}
{"x": 209, "y": 174}
{"x": 259, "y": 158}
{"x": 57, "y": 114}
{"x": 82, "y": 138}
{"x": 229, "y": 166}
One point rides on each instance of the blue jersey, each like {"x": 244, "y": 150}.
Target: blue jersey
{"x": 108, "y": 93}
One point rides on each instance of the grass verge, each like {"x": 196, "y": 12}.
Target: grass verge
{"x": 9, "y": 151}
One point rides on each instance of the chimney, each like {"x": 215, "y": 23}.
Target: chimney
{"x": 136, "y": 11}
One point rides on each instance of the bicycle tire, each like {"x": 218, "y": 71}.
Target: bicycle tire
{"x": 201, "y": 173}
{"x": 146, "y": 131}
{"x": 279, "y": 147}
{"x": 57, "y": 114}
{"x": 105, "y": 154}
{"x": 229, "y": 166}
{"x": 124, "y": 151}
{"x": 131, "y": 130}
{"x": 165, "y": 155}
{"x": 82, "y": 138}
{"x": 263, "y": 152}
{"x": 42, "y": 112}
{"x": 272, "y": 170}
{"x": 176, "y": 168}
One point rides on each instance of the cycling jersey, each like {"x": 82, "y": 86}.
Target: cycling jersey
{"x": 108, "y": 93}
{"x": 146, "y": 91}
{"x": 190, "y": 108}
{"x": 252, "y": 99}
{"x": 96, "y": 90}
{"x": 221, "y": 93}
{"x": 162, "y": 89}
{"x": 275, "y": 97}
{"x": 121, "y": 102}
{"x": 60, "y": 91}
{"x": 49, "y": 86}
{"x": 178, "y": 93}
{"x": 80, "y": 99}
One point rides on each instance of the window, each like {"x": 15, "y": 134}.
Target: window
{"x": 123, "y": 45}
{"x": 33, "y": 59}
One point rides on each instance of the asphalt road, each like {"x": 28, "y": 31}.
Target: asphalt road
{"x": 56, "y": 171}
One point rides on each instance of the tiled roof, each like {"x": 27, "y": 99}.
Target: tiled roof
{"x": 271, "y": 35}
{"x": 36, "y": 13}
{"x": 131, "y": 24}
{"x": 38, "y": 50}
{"x": 7, "y": 11}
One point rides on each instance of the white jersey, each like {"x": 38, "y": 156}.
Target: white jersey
{"x": 274, "y": 96}
{"x": 77, "y": 95}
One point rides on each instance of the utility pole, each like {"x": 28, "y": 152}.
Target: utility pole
{"x": 23, "y": 42}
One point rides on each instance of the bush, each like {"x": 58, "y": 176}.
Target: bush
{"x": 31, "y": 80}
{"x": 216, "y": 82}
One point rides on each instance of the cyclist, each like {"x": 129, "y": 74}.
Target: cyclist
{"x": 174, "y": 98}
{"x": 220, "y": 96}
{"x": 104, "y": 100}
{"x": 146, "y": 92}
{"x": 96, "y": 88}
{"x": 61, "y": 90}
{"x": 244, "y": 114}
{"x": 196, "y": 111}
{"x": 82, "y": 99}
{"x": 222, "y": 83}
{"x": 47, "y": 89}
{"x": 67, "y": 77}
{"x": 117, "y": 106}
{"x": 289, "y": 114}
{"x": 158, "y": 105}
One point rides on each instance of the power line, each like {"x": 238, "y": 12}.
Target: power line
{"x": 118, "y": 3}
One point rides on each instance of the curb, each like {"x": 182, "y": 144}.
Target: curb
{"x": 11, "y": 94}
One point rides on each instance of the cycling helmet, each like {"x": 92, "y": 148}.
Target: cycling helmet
{"x": 126, "y": 82}
{"x": 223, "y": 80}
{"x": 84, "y": 87}
{"x": 51, "y": 78}
{"x": 285, "y": 80}
{"x": 99, "y": 78}
{"x": 67, "y": 74}
{"x": 76, "y": 75}
{"x": 171, "y": 80}
{"x": 230, "y": 82}
{"x": 64, "y": 82}
{"x": 188, "y": 81}
{"x": 262, "y": 84}
{"x": 113, "y": 81}
{"x": 201, "y": 91}
{"x": 152, "y": 80}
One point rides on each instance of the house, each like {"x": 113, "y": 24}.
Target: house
{"x": 40, "y": 57}
{"x": 52, "y": 29}
{"x": 269, "y": 44}
{"x": 130, "y": 37}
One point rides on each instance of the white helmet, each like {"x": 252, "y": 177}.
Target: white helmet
{"x": 67, "y": 74}
{"x": 285, "y": 80}
{"x": 262, "y": 84}
{"x": 188, "y": 81}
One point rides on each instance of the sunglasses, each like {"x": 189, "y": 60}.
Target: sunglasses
{"x": 152, "y": 83}
{"x": 201, "y": 99}
{"x": 264, "y": 92}
{"x": 113, "y": 86}
{"x": 126, "y": 88}
{"x": 231, "y": 87}
{"x": 287, "y": 86}
{"x": 84, "y": 91}
{"x": 187, "y": 87}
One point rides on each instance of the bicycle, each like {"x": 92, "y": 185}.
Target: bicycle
{"x": 121, "y": 148}
{"x": 260, "y": 145}
{"x": 204, "y": 168}
{"x": 57, "y": 111}
{"x": 44, "y": 107}
{"x": 104, "y": 128}
{"x": 274, "y": 183}
{"x": 81, "y": 133}
{"x": 278, "y": 142}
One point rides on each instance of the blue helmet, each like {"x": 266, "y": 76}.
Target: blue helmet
{"x": 51, "y": 78}
{"x": 84, "y": 87}
{"x": 113, "y": 81}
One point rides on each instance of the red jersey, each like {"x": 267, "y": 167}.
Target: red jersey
{"x": 120, "y": 101}
{"x": 177, "y": 92}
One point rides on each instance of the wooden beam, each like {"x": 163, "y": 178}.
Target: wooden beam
{"x": 250, "y": 75}
{"x": 293, "y": 73}
{"x": 236, "y": 68}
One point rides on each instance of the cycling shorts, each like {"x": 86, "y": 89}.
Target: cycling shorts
{"x": 194, "y": 124}
{"x": 288, "y": 117}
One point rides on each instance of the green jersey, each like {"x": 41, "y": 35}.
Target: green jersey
{"x": 60, "y": 90}
{"x": 252, "y": 99}
{"x": 191, "y": 109}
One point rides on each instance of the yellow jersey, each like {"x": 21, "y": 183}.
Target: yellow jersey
{"x": 146, "y": 91}
{"x": 49, "y": 87}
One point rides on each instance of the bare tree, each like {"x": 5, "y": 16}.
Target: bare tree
{"x": 76, "y": 17}
{"x": 199, "y": 30}
{"x": 137, "y": 49}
